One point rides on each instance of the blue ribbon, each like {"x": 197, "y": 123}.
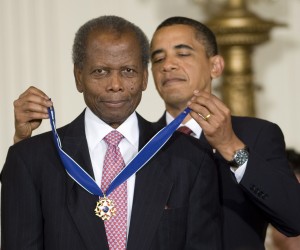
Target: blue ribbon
{"x": 79, "y": 175}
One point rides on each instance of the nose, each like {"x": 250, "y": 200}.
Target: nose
{"x": 115, "y": 82}
{"x": 169, "y": 64}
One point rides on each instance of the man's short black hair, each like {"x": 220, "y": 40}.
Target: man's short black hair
{"x": 108, "y": 24}
{"x": 203, "y": 34}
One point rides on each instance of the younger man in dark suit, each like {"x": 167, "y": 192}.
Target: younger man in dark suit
{"x": 257, "y": 186}
{"x": 172, "y": 202}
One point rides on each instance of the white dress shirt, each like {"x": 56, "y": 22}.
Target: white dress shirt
{"x": 96, "y": 130}
{"x": 197, "y": 130}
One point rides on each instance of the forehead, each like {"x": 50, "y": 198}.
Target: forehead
{"x": 172, "y": 35}
{"x": 113, "y": 45}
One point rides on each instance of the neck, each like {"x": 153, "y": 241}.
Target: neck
{"x": 175, "y": 112}
{"x": 186, "y": 119}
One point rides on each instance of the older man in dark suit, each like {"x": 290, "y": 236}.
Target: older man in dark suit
{"x": 171, "y": 203}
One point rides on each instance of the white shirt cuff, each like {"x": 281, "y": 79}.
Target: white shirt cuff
{"x": 239, "y": 172}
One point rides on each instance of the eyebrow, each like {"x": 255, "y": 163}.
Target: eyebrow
{"x": 183, "y": 46}
{"x": 179, "y": 46}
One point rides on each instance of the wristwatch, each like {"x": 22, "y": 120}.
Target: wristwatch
{"x": 240, "y": 157}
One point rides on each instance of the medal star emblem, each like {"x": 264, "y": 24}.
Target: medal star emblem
{"x": 105, "y": 208}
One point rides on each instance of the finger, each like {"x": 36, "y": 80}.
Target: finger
{"x": 25, "y": 117}
{"x": 30, "y": 112}
{"x": 32, "y": 102}
{"x": 202, "y": 111}
{"x": 199, "y": 119}
{"x": 204, "y": 106}
{"x": 35, "y": 99}
{"x": 34, "y": 91}
{"x": 36, "y": 105}
{"x": 219, "y": 104}
{"x": 206, "y": 113}
{"x": 208, "y": 126}
{"x": 213, "y": 104}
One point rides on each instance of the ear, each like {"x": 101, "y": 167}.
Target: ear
{"x": 145, "y": 79}
{"x": 217, "y": 66}
{"x": 78, "y": 78}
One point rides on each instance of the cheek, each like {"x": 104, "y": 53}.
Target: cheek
{"x": 132, "y": 86}
{"x": 198, "y": 73}
{"x": 155, "y": 74}
{"x": 135, "y": 86}
{"x": 157, "y": 82}
{"x": 94, "y": 92}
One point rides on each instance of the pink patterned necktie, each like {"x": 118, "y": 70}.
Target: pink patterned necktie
{"x": 185, "y": 130}
{"x": 116, "y": 227}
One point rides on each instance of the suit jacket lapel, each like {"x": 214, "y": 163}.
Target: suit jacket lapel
{"x": 205, "y": 143}
{"x": 152, "y": 189}
{"x": 81, "y": 204}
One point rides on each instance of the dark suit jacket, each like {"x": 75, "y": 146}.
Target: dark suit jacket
{"x": 267, "y": 193}
{"x": 176, "y": 201}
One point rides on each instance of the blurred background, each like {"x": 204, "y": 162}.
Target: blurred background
{"x": 36, "y": 38}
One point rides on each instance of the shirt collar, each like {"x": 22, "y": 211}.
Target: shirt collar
{"x": 191, "y": 124}
{"x": 96, "y": 129}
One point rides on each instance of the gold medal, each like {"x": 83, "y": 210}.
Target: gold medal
{"x": 105, "y": 208}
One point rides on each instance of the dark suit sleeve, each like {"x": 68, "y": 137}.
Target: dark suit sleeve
{"x": 270, "y": 183}
{"x": 21, "y": 218}
{"x": 204, "y": 224}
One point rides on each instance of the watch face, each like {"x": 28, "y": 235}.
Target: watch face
{"x": 241, "y": 157}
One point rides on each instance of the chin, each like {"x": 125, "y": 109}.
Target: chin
{"x": 176, "y": 100}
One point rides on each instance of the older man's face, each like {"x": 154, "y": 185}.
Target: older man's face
{"x": 113, "y": 77}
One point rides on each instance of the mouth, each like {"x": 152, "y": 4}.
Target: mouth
{"x": 172, "y": 81}
{"x": 114, "y": 103}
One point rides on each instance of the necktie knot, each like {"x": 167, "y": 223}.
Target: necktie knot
{"x": 185, "y": 130}
{"x": 113, "y": 138}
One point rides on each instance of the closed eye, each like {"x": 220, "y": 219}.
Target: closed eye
{"x": 157, "y": 56}
{"x": 184, "y": 54}
{"x": 157, "y": 59}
